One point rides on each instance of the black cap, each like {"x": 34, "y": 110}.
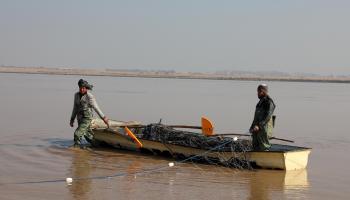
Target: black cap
{"x": 84, "y": 83}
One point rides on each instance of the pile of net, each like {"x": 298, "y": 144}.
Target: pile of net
{"x": 168, "y": 135}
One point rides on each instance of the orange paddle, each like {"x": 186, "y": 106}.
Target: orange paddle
{"x": 133, "y": 137}
{"x": 207, "y": 127}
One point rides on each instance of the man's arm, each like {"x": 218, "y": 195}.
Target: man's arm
{"x": 252, "y": 126}
{"x": 254, "y": 123}
{"x": 94, "y": 105}
{"x": 74, "y": 112}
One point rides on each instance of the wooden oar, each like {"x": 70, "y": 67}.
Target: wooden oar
{"x": 248, "y": 135}
{"x": 207, "y": 127}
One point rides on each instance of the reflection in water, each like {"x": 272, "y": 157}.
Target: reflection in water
{"x": 80, "y": 168}
{"x": 130, "y": 179}
{"x": 266, "y": 184}
{"x": 187, "y": 181}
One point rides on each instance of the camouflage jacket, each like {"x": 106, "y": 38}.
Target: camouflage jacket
{"x": 83, "y": 105}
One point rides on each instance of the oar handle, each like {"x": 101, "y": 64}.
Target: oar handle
{"x": 185, "y": 126}
{"x": 172, "y": 126}
{"x": 240, "y": 134}
{"x": 130, "y": 126}
{"x": 227, "y": 134}
{"x": 285, "y": 140}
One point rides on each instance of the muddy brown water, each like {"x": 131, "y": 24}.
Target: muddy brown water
{"x": 35, "y": 138}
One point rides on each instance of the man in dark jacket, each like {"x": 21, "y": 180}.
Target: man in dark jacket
{"x": 262, "y": 125}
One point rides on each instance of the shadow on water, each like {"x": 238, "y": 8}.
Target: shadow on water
{"x": 48, "y": 142}
{"x": 58, "y": 142}
{"x": 23, "y": 145}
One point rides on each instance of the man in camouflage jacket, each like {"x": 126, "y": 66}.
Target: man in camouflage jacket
{"x": 262, "y": 125}
{"x": 84, "y": 102}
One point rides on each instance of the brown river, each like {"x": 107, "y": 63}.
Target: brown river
{"x": 35, "y": 138}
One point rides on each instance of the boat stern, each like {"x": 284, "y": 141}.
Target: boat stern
{"x": 295, "y": 160}
{"x": 284, "y": 160}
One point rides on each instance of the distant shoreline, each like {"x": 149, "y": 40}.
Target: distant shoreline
{"x": 168, "y": 74}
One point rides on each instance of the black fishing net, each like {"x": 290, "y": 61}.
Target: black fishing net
{"x": 217, "y": 145}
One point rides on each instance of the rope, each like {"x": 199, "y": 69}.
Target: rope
{"x": 145, "y": 171}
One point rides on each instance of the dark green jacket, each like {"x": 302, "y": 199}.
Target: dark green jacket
{"x": 263, "y": 112}
{"x": 263, "y": 119}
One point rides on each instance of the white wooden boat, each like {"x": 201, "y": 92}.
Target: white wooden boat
{"x": 284, "y": 157}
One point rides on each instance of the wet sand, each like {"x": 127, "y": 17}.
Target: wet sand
{"x": 35, "y": 139}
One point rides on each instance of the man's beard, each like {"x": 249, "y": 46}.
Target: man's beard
{"x": 262, "y": 96}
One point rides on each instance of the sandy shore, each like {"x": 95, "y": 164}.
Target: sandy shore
{"x": 169, "y": 74}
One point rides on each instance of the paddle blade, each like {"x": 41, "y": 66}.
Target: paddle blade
{"x": 207, "y": 127}
{"x": 133, "y": 137}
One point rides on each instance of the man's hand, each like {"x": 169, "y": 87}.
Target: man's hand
{"x": 256, "y": 129}
{"x": 71, "y": 123}
{"x": 105, "y": 120}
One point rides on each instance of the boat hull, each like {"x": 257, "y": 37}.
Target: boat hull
{"x": 281, "y": 157}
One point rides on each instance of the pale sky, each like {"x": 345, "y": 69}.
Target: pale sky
{"x": 185, "y": 35}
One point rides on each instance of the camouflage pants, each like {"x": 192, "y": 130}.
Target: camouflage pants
{"x": 83, "y": 130}
{"x": 261, "y": 138}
